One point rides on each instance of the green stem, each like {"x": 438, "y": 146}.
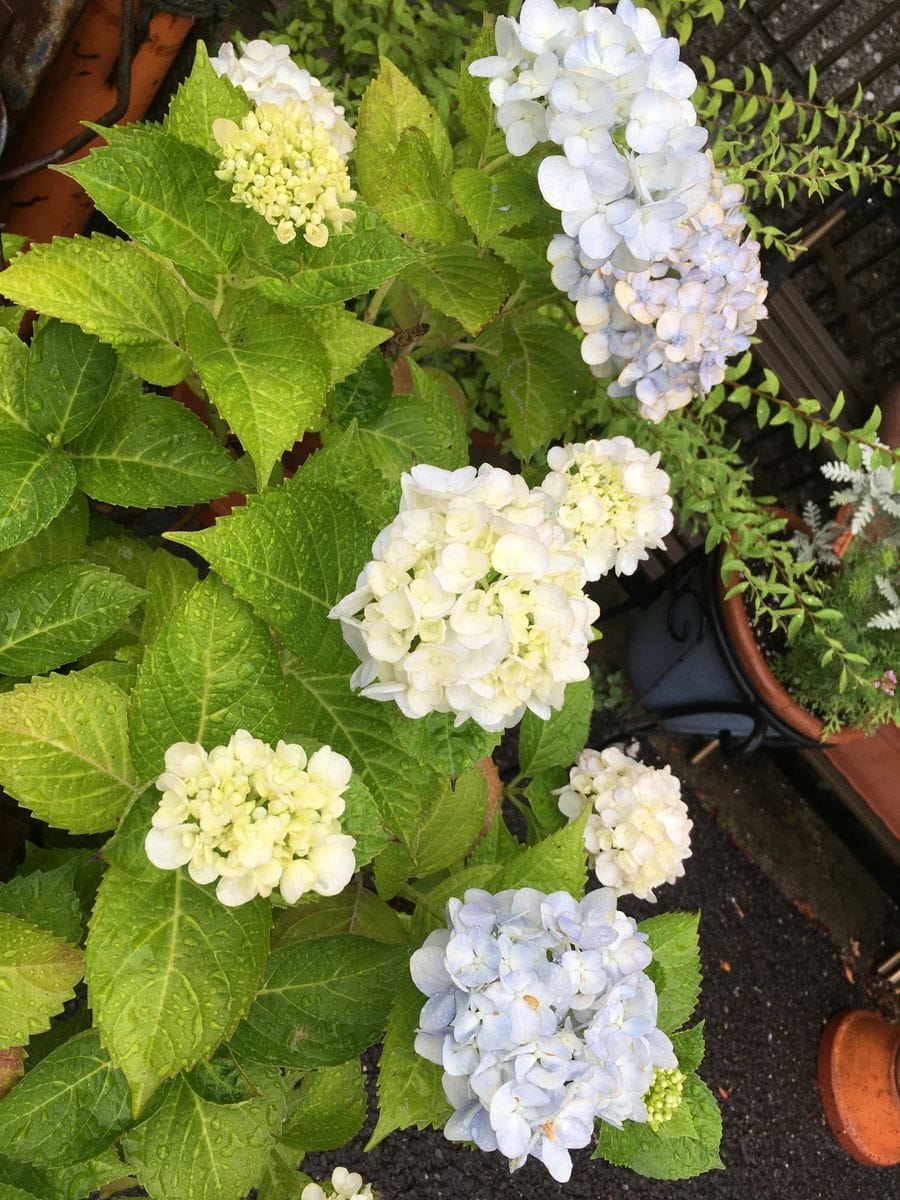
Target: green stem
{"x": 377, "y": 300}
{"x": 497, "y": 164}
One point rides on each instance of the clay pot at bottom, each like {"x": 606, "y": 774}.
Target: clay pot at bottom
{"x": 859, "y": 1061}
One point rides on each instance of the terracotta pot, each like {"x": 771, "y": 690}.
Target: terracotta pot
{"x": 857, "y": 1073}
{"x": 757, "y": 669}
{"x": 80, "y": 86}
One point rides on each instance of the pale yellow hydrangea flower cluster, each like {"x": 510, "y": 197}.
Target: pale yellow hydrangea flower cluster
{"x": 285, "y": 166}
{"x": 638, "y": 833}
{"x": 254, "y": 819}
{"x": 612, "y": 500}
{"x": 347, "y": 1185}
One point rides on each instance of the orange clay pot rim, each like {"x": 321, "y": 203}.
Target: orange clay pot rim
{"x": 771, "y": 691}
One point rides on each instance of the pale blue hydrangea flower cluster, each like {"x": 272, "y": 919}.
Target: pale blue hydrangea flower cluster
{"x": 543, "y": 1019}
{"x": 653, "y": 250}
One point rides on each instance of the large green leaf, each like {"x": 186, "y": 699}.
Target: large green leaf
{"x": 71, "y": 1182}
{"x": 680, "y": 1148}
{"x": 414, "y": 196}
{"x": 56, "y": 614}
{"x": 60, "y": 541}
{"x": 355, "y": 910}
{"x": 204, "y": 97}
{"x": 558, "y": 863}
{"x": 409, "y": 1086}
{"x": 264, "y": 368}
{"x": 323, "y": 706}
{"x": 451, "y": 823}
{"x": 49, "y": 895}
{"x": 169, "y": 579}
{"x": 111, "y": 288}
{"x": 13, "y": 365}
{"x": 321, "y": 1002}
{"x": 332, "y": 1108}
{"x": 347, "y": 340}
{"x": 476, "y": 108}
{"x": 494, "y": 203}
{"x": 68, "y": 376}
{"x": 391, "y": 105}
{"x": 349, "y": 462}
{"x": 150, "y": 451}
{"x": 38, "y": 973}
{"x": 170, "y": 972}
{"x": 191, "y": 1147}
{"x": 163, "y": 192}
{"x": 35, "y": 482}
{"x": 435, "y": 739}
{"x": 366, "y": 254}
{"x": 558, "y": 741}
{"x": 292, "y": 553}
{"x": 542, "y": 381}
{"x": 675, "y": 969}
{"x": 70, "y": 1107}
{"x": 212, "y": 669}
{"x": 463, "y": 283}
{"x": 64, "y": 751}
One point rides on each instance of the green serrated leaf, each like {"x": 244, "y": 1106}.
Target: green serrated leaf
{"x": 169, "y": 579}
{"x": 64, "y": 751}
{"x": 13, "y": 366}
{"x": 35, "y": 483}
{"x": 356, "y": 910}
{"x": 463, "y": 284}
{"x": 292, "y": 554}
{"x": 212, "y": 669}
{"x": 60, "y": 541}
{"x": 70, "y": 1107}
{"x": 557, "y": 863}
{"x": 689, "y": 1046}
{"x": 191, "y": 1146}
{"x": 56, "y": 614}
{"x": 393, "y": 867}
{"x": 557, "y": 742}
{"x": 38, "y": 973}
{"x": 151, "y": 452}
{"x": 113, "y": 289}
{"x": 346, "y": 339}
{"x": 50, "y": 895}
{"x": 321, "y": 1001}
{"x": 494, "y": 203}
{"x": 410, "y": 1091}
{"x": 263, "y": 367}
{"x": 68, "y": 376}
{"x": 475, "y": 105}
{"x": 204, "y": 97}
{"x": 332, "y": 1108}
{"x": 170, "y": 972}
{"x": 675, "y": 969}
{"x": 414, "y": 196}
{"x": 450, "y": 825}
{"x": 60, "y": 1183}
{"x": 448, "y": 747}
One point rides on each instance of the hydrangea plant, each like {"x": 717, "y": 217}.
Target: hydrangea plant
{"x": 254, "y": 752}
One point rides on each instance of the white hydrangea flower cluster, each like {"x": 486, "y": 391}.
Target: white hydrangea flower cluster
{"x": 285, "y": 167}
{"x": 665, "y": 289}
{"x": 268, "y": 75}
{"x": 612, "y": 500}
{"x": 471, "y": 604}
{"x": 543, "y": 1019}
{"x": 666, "y": 332}
{"x": 638, "y": 833}
{"x": 254, "y": 819}
{"x": 346, "y": 1185}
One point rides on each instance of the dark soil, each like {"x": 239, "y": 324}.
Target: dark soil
{"x": 772, "y": 979}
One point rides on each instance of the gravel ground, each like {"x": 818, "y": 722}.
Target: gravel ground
{"x": 772, "y": 979}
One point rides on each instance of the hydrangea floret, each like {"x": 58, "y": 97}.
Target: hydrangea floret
{"x": 664, "y": 1096}
{"x": 283, "y": 165}
{"x": 254, "y": 818}
{"x": 612, "y": 500}
{"x": 638, "y": 833}
{"x": 541, "y": 1015}
{"x": 651, "y": 249}
{"x": 268, "y": 75}
{"x": 471, "y": 603}
{"x": 345, "y": 1185}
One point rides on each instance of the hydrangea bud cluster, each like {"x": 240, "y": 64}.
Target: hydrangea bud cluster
{"x": 268, "y": 75}
{"x": 664, "y": 1096}
{"x": 638, "y": 833}
{"x": 543, "y": 1019}
{"x": 665, "y": 289}
{"x": 283, "y": 165}
{"x": 612, "y": 500}
{"x": 471, "y": 604}
{"x": 254, "y": 819}
{"x": 345, "y": 1185}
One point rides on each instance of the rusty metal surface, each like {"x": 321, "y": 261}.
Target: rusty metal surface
{"x": 31, "y": 32}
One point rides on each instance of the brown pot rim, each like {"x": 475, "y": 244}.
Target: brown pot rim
{"x": 758, "y": 671}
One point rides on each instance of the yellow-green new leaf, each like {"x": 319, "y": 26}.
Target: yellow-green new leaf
{"x": 38, "y": 973}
